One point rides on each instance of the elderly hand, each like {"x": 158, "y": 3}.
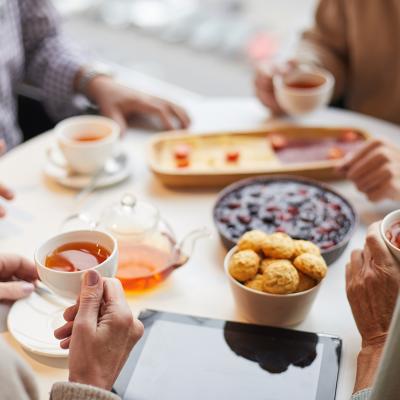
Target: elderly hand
{"x": 120, "y": 103}
{"x": 17, "y": 277}
{"x": 7, "y": 194}
{"x": 100, "y": 332}
{"x": 372, "y": 282}
{"x": 264, "y": 84}
{"x": 375, "y": 170}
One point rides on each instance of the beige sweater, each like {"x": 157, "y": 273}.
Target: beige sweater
{"x": 17, "y": 382}
{"x": 359, "y": 42}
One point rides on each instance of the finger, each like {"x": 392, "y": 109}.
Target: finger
{"x": 6, "y": 193}
{"x": 355, "y": 265}
{"x": 2, "y": 212}
{"x": 164, "y": 116}
{"x": 90, "y": 300}
{"x": 15, "y": 290}
{"x": 361, "y": 153}
{"x": 116, "y": 115}
{"x": 64, "y": 331}
{"x": 64, "y": 344}
{"x": 371, "y": 161}
{"x": 12, "y": 265}
{"x": 3, "y": 146}
{"x": 70, "y": 312}
{"x": 181, "y": 115}
{"x": 376, "y": 246}
{"x": 113, "y": 291}
{"x": 269, "y": 101}
{"x": 375, "y": 178}
{"x": 380, "y": 192}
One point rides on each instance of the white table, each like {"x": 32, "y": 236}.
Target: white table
{"x": 200, "y": 287}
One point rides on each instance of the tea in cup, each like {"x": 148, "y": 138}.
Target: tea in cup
{"x": 390, "y": 232}
{"x": 303, "y": 89}
{"x": 63, "y": 259}
{"x": 87, "y": 142}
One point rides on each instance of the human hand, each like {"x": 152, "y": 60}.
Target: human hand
{"x": 375, "y": 170}
{"x": 372, "y": 283}
{"x": 264, "y": 83}
{"x": 7, "y": 194}
{"x": 17, "y": 277}
{"x": 100, "y": 332}
{"x": 120, "y": 103}
{"x": 373, "y": 279}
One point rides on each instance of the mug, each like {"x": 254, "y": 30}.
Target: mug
{"x": 386, "y": 223}
{"x": 303, "y": 100}
{"x": 87, "y": 157}
{"x": 68, "y": 284}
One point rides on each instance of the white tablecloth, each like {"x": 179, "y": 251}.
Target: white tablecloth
{"x": 200, "y": 287}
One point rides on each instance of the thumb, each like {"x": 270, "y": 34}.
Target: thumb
{"x": 115, "y": 114}
{"x": 15, "y": 290}
{"x": 90, "y": 299}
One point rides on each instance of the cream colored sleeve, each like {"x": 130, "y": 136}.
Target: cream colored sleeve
{"x": 325, "y": 44}
{"x": 77, "y": 391}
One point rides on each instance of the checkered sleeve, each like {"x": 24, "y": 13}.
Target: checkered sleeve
{"x": 51, "y": 62}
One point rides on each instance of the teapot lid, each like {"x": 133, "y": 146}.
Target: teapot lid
{"x": 130, "y": 216}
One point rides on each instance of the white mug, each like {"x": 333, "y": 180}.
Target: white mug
{"x": 386, "y": 223}
{"x": 68, "y": 284}
{"x": 298, "y": 101}
{"x": 87, "y": 157}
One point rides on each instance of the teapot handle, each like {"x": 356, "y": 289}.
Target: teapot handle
{"x": 187, "y": 243}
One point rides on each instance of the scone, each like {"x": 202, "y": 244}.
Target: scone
{"x": 281, "y": 277}
{"x": 244, "y": 265}
{"x": 266, "y": 262}
{"x": 278, "y": 245}
{"x": 312, "y": 265}
{"x": 305, "y": 282}
{"x": 305, "y": 246}
{"x": 252, "y": 240}
{"x": 256, "y": 283}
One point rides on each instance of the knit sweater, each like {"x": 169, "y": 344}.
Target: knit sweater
{"x": 359, "y": 42}
{"x": 17, "y": 382}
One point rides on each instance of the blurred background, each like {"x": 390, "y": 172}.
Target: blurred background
{"x": 206, "y": 46}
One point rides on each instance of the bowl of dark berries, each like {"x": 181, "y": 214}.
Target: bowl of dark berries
{"x": 302, "y": 208}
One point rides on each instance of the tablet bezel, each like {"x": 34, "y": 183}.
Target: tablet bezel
{"x": 330, "y": 364}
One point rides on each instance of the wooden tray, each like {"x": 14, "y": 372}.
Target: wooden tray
{"x": 208, "y": 176}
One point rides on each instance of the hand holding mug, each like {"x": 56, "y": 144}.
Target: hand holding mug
{"x": 100, "y": 332}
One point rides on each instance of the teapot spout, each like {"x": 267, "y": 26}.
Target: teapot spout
{"x": 186, "y": 246}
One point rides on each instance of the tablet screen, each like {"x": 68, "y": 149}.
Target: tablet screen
{"x": 184, "y": 357}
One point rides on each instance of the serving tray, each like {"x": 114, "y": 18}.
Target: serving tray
{"x": 208, "y": 165}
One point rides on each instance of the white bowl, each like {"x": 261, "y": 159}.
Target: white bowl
{"x": 296, "y": 101}
{"x": 270, "y": 309}
{"x": 386, "y": 223}
{"x": 87, "y": 157}
{"x": 68, "y": 284}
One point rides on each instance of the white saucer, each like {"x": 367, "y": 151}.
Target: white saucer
{"x": 56, "y": 169}
{"x": 32, "y": 321}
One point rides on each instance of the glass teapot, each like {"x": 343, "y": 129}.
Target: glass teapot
{"x": 148, "y": 249}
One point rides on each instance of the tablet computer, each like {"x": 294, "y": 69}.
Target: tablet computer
{"x": 183, "y": 357}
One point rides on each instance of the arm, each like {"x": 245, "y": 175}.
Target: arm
{"x": 326, "y": 44}
{"x": 51, "y": 63}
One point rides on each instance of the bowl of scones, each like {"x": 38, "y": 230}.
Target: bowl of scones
{"x": 274, "y": 279}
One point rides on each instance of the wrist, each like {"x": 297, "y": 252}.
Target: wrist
{"x": 367, "y": 365}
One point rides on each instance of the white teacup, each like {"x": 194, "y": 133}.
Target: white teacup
{"x": 68, "y": 284}
{"x": 87, "y": 157}
{"x": 386, "y": 223}
{"x": 297, "y": 100}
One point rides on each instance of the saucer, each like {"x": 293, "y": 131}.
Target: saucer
{"x": 56, "y": 168}
{"x": 32, "y": 321}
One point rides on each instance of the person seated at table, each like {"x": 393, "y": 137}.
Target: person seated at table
{"x": 34, "y": 51}
{"x": 104, "y": 332}
{"x": 372, "y": 284}
{"x": 354, "y": 41}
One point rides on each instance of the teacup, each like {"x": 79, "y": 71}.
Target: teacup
{"x": 385, "y": 226}
{"x": 87, "y": 142}
{"x": 68, "y": 284}
{"x": 303, "y": 89}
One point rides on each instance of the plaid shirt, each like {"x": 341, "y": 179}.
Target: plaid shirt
{"x": 32, "y": 50}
